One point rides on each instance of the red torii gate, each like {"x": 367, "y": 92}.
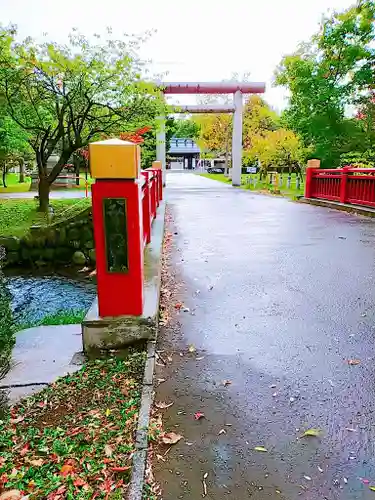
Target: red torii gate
{"x": 235, "y": 88}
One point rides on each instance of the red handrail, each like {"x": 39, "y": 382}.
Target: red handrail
{"x": 346, "y": 185}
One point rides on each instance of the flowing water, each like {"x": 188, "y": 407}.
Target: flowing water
{"x": 34, "y": 297}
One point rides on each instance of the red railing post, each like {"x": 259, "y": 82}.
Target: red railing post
{"x": 146, "y": 216}
{"x": 153, "y": 193}
{"x": 157, "y": 166}
{"x": 308, "y": 184}
{"x": 343, "y": 184}
{"x": 118, "y": 227}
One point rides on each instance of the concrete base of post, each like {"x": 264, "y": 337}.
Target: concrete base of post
{"x": 114, "y": 333}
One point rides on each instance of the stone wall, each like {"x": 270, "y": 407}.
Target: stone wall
{"x": 67, "y": 242}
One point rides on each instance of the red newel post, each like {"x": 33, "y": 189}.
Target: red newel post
{"x": 146, "y": 206}
{"x": 343, "y": 184}
{"x": 157, "y": 166}
{"x": 118, "y": 227}
{"x": 309, "y": 179}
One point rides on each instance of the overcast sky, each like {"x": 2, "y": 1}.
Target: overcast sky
{"x": 195, "y": 40}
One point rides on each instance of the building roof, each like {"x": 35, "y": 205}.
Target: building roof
{"x": 181, "y": 146}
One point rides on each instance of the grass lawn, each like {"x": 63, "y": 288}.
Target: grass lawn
{"x": 291, "y": 192}
{"x": 63, "y": 317}
{"x": 75, "y": 439}
{"x": 18, "y": 215}
{"x": 14, "y": 186}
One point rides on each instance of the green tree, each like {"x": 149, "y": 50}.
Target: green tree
{"x": 187, "y": 128}
{"x": 327, "y": 74}
{"x": 14, "y": 146}
{"x": 65, "y": 96}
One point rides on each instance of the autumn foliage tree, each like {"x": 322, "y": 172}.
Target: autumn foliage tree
{"x": 64, "y": 96}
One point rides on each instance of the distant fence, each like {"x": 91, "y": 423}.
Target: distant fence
{"x": 346, "y": 185}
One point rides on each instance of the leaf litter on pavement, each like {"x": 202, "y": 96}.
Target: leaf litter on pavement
{"x": 76, "y": 437}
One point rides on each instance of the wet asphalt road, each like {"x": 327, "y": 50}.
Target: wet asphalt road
{"x": 286, "y": 297}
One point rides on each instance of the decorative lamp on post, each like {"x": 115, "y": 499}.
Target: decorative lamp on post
{"x": 117, "y": 218}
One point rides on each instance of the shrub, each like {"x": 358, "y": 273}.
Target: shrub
{"x": 7, "y": 330}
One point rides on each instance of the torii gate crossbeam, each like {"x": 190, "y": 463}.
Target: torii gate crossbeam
{"x": 235, "y": 88}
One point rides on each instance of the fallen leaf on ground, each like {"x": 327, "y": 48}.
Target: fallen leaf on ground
{"x": 37, "y": 463}
{"x": 120, "y": 469}
{"x": 108, "y": 450}
{"x": 160, "y": 457}
{"x": 226, "y": 382}
{"x": 260, "y": 448}
{"x": 350, "y": 429}
{"x": 162, "y": 405}
{"x": 189, "y": 444}
{"x": 16, "y": 420}
{"x": 179, "y": 305}
{"x": 223, "y": 431}
{"x": 308, "y": 478}
{"x": 171, "y": 438}
{"x": 372, "y": 488}
{"x": 11, "y": 495}
{"x": 353, "y": 362}
{"x": 320, "y": 469}
{"x": 192, "y": 348}
{"x": 66, "y": 470}
{"x": 186, "y": 310}
{"x": 198, "y": 415}
{"x": 200, "y": 358}
{"x": 79, "y": 482}
{"x": 345, "y": 480}
{"x": 312, "y": 433}
{"x": 160, "y": 380}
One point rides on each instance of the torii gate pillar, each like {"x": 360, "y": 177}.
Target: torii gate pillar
{"x": 237, "y": 139}
{"x": 160, "y": 145}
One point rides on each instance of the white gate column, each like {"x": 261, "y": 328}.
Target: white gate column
{"x": 160, "y": 144}
{"x": 237, "y": 139}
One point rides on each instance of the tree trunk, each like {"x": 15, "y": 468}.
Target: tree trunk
{"x": 77, "y": 164}
{"x": 22, "y": 172}
{"x": 43, "y": 191}
{"x": 5, "y": 176}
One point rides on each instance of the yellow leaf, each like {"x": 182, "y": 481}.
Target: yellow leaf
{"x": 261, "y": 448}
{"x": 312, "y": 433}
{"x": 107, "y": 412}
{"x": 372, "y": 488}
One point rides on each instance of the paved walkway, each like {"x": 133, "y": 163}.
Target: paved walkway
{"x": 42, "y": 354}
{"x": 286, "y": 297}
{"x": 54, "y": 195}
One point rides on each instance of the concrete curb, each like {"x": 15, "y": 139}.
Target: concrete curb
{"x": 135, "y": 491}
{"x": 344, "y": 207}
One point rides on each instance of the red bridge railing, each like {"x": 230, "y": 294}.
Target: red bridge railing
{"x": 347, "y": 185}
{"x": 152, "y": 194}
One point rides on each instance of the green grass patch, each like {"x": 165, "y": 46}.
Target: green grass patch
{"x": 262, "y": 186}
{"x": 75, "y": 439}
{"x": 18, "y": 215}
{"x": 63, "y": 317}
{"x": 14, "y": 186}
